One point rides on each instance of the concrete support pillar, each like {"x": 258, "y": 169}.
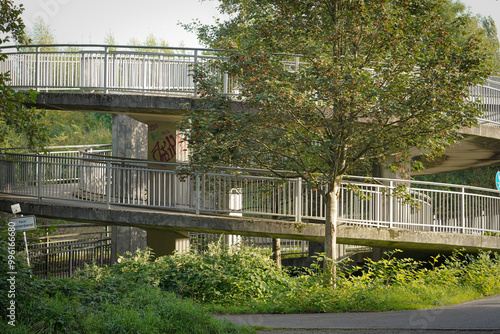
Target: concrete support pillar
{"x": 165, "y": 242}
{"x": 316, "y": 247}
{"x": 154, "y": 141}
{"x": 126, "y": 239}
{"x": 129, "y": 137}
{"x": 129, "y": 141}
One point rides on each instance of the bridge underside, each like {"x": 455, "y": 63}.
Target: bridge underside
{"x": 480, "y": 146}
{"x": 186, "y": 222}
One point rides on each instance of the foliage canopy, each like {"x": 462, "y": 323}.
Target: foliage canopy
{"x": 338, "y": 85}
{"x": 13, "y": 114}
{"x": 373, "y": 79}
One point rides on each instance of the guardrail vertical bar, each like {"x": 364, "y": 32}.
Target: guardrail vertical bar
{"x": 70, "y": 260}
{"x": 298, "y": 200}
{"x": 391, "y": 204}
{"x": 144, "y": 74}
{"x": 38, "y": 171}
{"x": 106, "y": 52}
{"x": 195, "y": 86}
{"x": 108, "y": 184}
{"x": 225, "y": 84}
{"x": 463, "y": 210}
{"x": 197, "y": 200}
{"x": 37, "y": 68}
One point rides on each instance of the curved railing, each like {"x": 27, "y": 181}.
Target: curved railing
{"x": 364, "y": 202}
{"x": 146, "y": 70}
{"x": 107, "y": 68}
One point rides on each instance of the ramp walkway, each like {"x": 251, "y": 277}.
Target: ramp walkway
{"x": 95, "y": 187}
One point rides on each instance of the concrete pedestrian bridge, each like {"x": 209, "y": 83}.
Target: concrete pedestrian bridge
{"x": 153, "y": 84}
{"x": 135, "y": 183}
{"x": 94, "y": 187}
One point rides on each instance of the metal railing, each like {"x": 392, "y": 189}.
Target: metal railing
{"x": 62, "y": 258}
{"x": 108, "y": 68}
{"x": 289, "y": 248}
{"x": 365, "y": 202}
{"x": 148, "y": 70}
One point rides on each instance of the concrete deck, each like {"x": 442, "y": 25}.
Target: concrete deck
{"x": 189, "y": 222}
{"x": 480, "y": 146}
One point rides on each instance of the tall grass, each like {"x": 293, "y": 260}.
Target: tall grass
{"x": 96, "y": 302}
{"x": 173, "y": 294}
{"x": 245, "y": 280}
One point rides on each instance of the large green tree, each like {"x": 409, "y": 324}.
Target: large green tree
{"x": 372, "y": 80}
{"x": 14, "y": 115}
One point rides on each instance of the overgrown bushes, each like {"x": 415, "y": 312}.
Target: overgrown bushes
{"x": 141, "y": 295}
{"x": 119, "y": 299}
{"x": 246, "y": 280}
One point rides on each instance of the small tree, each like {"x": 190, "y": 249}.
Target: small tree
{"x": 13, "y": 114}
{"x": 371, "y": 80}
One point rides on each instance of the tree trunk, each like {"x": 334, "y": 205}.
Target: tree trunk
{"x": 329, "y": 266}
{"x": 277, "y": 252}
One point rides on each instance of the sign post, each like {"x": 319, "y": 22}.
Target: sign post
{"x": 23, "y": 224}
{"x": 497, "y": 180}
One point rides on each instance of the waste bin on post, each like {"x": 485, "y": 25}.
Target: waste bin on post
{"x": 235, "y": 209}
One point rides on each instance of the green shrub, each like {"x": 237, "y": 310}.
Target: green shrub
{"x": 220, "y": 274}
{"x": 110, "y": 305}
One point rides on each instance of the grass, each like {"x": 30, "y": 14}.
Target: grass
{"x": 111, "y": 306}
{"x": 176, "y": 294}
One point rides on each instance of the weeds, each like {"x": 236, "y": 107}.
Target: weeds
{"x": 140, "y": 294}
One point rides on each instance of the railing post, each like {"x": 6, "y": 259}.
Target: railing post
{"x": 37, "y": 68}
{"x": 195, "y": 86}
{"x": 108, "y": 184}
{"x": 298, "y": 200}
{"x": 391, "y": 204}
{"x": 225, "y": 84}
{"x": 197, "y": 195}
{"x": 106, "y": 49}
{"x": 70, "y": 260}
{"x": 38, "y": 171}
{"x": 463, "y": 210}
{"x": 144, "y": 75}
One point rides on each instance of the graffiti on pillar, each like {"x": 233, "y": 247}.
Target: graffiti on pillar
{"x": 162, "y": 142}
{"x": 164, "y": 150}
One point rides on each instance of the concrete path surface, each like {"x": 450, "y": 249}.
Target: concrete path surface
{"x": 482, "y": 315}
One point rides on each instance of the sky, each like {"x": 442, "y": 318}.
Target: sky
{"x": 89, "y": 21}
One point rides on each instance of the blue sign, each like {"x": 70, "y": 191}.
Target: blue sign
{"x": 497, "y": 180}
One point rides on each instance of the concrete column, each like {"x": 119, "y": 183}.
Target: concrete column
{"x": 316, "y": 247}
{"x": 165, "y": 242}
{"x": 153, "y": 141}
{"x": 162, "y": 141}
{"x": 129, "y": 141}
{"x": 129, "y": 137}
{"x": 126, "y": 239}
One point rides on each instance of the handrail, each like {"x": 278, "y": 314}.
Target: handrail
{"x": 145, "y": 70}
{"x": 429, "y": 206}
{"x": 68, "y": 147}
{"x": 17, "y": 47}
{"x": 107, "y": 68}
